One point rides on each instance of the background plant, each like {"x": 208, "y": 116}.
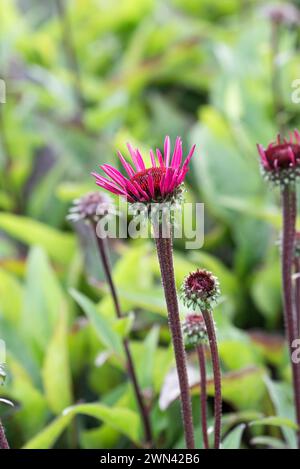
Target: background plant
{"x": 148, "y": 68}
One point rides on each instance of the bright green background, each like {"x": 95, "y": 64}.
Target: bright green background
{"x": 147, "y": 68}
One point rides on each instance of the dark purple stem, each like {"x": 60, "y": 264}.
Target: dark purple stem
{"x": 210, "y": 327}
{"x": 130, "y": 366}
{"x": 165, "y": 256}
{"x": 297, "y": 291}
{"x": 291, "y": 323}
{"x": 203, "y": 395}
{"x": 3, "y": 441}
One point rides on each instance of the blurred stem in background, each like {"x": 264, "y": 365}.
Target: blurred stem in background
{"x": 71, "y": 55}
{"x": 288, "y": 237}
{"x": 164, "y": 248}
{"x": 210, "y": 327}
{"x": 130, "y": 366}
{"x": 3, "y": 441}
{"x": 91, "y": 208}
{"x": 103, "y": 252}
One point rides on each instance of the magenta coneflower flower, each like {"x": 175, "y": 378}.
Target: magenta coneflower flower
{"x": 200, "y": 290}
{"x": 162, "y": 182}
{"x": 280, "y": 161}
{"x": 159, "y": 183}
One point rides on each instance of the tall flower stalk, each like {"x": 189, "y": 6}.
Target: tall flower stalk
{"x": 297, "y": 278}
{"x": 195, "y": 336}
{"x": 211, "y": 333}
{"x": 91, "y": 208}
{"x": 165, "y": 257}
{"x": 200, "y": 290}
{"x": 280, "y": 163}
{"x": 291, "y": 322}
{"x": 161, "y": 183}
{"x": 203, "y": 393}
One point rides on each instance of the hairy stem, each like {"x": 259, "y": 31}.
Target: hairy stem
{"x": 210, "y": 327}
{"x": 291, "y": 323}
{"x": 3, "y": 441}
{"x": 297, "y": 291}
{"x": 203, "y": 395}
{"x": 130, "y": 365}
{"x": 165, "y": 256}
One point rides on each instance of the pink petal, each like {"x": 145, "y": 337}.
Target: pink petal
{"x": 177, "y": 155}
{"x": 181, "y": 175}
{"x": 141, "y": 190}
{"x": 114, "y": 174}
{"x": 134, "y": 157}
{"x": 106, "y": 184}
{"x": 128, "y": 168}
{"x": 160, "y": 158}
{"x": 140, "y": 159}
{"x": 174, "y": 182}
{"x": 131, "y": 187}
{"x": 262, "y": 153}
{"x": 167, "y": 151}
{"x": 168, "y": 180}
{"x": 297, "y": 135}
{"x": 188, "y": 158}
{"x": 153, "y": 162}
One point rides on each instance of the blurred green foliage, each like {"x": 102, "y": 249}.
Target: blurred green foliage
{"x": 81, "y": 81}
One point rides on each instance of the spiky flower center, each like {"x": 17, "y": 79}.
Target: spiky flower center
{"x": 142, "y": 178}
{"x": 201, "y": 283}
{"x": 283, "y": 156}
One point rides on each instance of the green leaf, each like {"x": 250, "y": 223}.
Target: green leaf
{"x": 276, "y": 421}
{"x": 243, "y": 388}
{"x": 102, "y": 326}
{"x": 269, "y": 442}
{"x": 56, "y": 370}
{"x": 33, "y": 410}
{"x": 255, "y": 208}
{"x": 145, "y": 360}
{"x": 266, "y": 292}
{"x": 48, "y": 436}
{"x": 282, "y": 399}
{"x": 115, "y": 417}
{"x": 59, "y": 246}
{"x": 11, "y": 297}
{"x": 233, "y": 439}
{"x": 124, "y": 420}
{"x": 123, "y": 325}
{"x": 43, "y": 301}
